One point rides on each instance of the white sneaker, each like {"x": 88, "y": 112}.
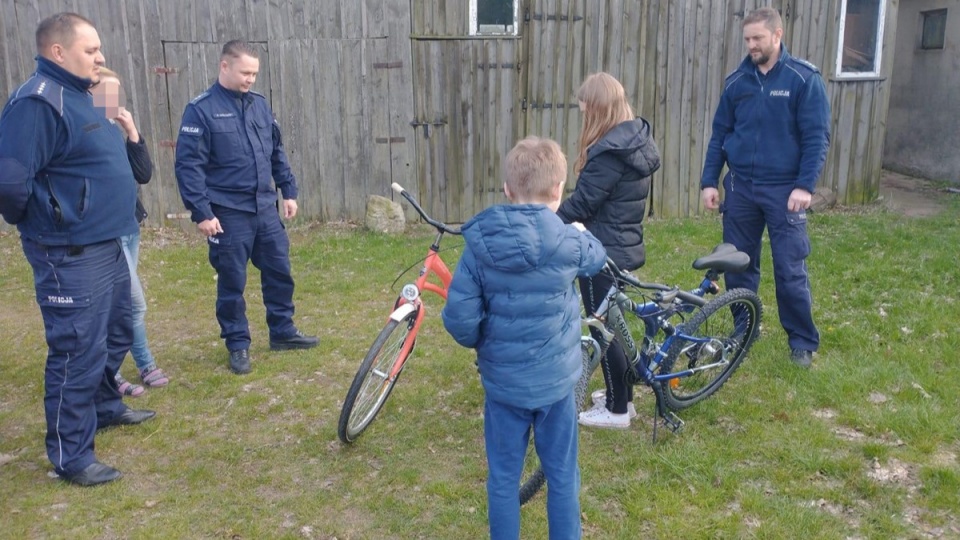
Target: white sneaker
{"x": 602, "y": 418}
{"x": 599, "y": 398}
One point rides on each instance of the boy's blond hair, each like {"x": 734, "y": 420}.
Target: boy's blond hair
{"x": 534, "y": 167}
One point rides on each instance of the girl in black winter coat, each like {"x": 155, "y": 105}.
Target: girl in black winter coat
{"x": 616, "y": 157}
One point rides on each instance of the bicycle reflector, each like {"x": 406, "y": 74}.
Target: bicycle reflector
{"x": 410, "y": 292}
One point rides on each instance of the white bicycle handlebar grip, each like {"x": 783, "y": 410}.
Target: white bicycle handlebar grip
{"x": 396, "y": 187}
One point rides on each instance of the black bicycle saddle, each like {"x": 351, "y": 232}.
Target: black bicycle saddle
{"x": 724, "y": 258}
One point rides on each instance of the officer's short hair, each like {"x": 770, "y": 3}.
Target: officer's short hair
{"x": 534, "y": 167}
{"x": 59, "y": 28}
{"x": 237, "y": 48}
{"x": 769, "y": 16}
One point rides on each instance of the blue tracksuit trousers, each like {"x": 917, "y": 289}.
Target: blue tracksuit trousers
{"x": 506, "y": 431}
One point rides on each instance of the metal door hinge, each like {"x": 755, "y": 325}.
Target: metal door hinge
{"x": 426, "y": 126}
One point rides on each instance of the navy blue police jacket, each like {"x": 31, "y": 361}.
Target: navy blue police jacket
{"x": 228, "y": 150}
{"x": 772, "y": 128}
{"x": 64, "y": 175}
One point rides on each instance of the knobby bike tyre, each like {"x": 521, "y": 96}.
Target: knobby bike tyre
{"x": 372, "y": 385}
{"x": 732, "y": 321}
{"x": 533, "y": 477}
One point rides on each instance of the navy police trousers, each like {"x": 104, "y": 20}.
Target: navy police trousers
{"x": 84, "y": 297}
{"x": 259, "y": 238}
{"x": 747, "y": 208}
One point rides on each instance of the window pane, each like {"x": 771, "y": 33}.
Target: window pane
{"x": 495, "y": 17}
{"x": 498, "y": 12}
{"x": 934, "y": 29}
{"x": 860, "y": 36}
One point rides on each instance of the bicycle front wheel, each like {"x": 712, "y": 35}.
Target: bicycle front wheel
{"x": 729, "y": 323}
{"x": 533, "y": 478}
{"x": 373, "y": 383}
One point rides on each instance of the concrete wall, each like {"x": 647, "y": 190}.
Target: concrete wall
{"x": 923, "y": 121}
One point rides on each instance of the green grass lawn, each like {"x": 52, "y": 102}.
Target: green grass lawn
{"x": 863, "y": 445}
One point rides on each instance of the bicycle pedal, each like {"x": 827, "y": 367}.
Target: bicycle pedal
{"x": 672, "y": 421}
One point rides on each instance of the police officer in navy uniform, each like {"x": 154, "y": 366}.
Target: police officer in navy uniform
{"x": 772, "y": 129}
{"x": 66, "y": 183}
{"x": 228, "y": 151}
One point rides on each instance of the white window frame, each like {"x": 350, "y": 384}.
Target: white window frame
{"x": 854, "y": 75}
{"x": 493, "y": 30}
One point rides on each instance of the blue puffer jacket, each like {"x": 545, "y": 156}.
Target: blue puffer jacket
{"x": 513, "y": 300}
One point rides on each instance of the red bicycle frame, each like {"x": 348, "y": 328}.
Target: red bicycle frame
{"x": 434, "y": 265}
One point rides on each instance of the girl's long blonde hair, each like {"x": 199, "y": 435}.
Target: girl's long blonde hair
{"x": 606, "y": 106}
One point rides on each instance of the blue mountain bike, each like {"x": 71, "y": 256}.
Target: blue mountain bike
{"x": 681, "y": 344}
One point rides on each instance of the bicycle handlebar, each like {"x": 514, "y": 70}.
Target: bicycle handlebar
{"x": 612, "y": 268}
{"x": 615, "y": 271}
{"x": 440, "y": 226}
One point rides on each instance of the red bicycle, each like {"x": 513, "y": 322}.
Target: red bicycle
{"x": 384, "y": 362}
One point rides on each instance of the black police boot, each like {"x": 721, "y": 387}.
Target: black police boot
{"x": 297, "y": 341}
{"x": 128, "y": 417}
{"x": 95, "y": 474}
{"x": 240, "y": 361}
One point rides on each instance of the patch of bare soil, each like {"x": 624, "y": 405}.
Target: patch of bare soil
{"x": 913, "y": 197}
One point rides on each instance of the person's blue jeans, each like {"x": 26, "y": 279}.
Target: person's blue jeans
{"x": 140, "y": 350}
{"x": 507, "y": 433}
{"x": 84, "y": 297}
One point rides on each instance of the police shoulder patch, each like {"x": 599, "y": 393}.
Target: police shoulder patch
{"x": 40, "y": 87}
{"x": 806, "y": 64}
{"x": 199, "y": 98}
{"x": 190, "y": 129}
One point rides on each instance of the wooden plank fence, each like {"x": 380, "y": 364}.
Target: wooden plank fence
{"x": 370, "y": 92}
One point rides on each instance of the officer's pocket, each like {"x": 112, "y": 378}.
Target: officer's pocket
{"x": 220, "y": 248}
{"x": 224, "y": 139}
{"x": 67, "y": 321}
{"x": 265, "y": 134}
{"x": 797, "y": 226}
{"x": 797, "y": 219}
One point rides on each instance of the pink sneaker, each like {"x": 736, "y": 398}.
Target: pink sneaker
{"x": 127, "y": 388}
{"x": 154, "y": 377}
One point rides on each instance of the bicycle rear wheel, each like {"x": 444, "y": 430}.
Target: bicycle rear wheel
{"x": 730, "y": 324}
{"x": 372, "y": 384}
{"x": 533, "y": 478}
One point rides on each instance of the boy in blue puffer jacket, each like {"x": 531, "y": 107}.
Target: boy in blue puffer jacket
{"x": 513, "y": 300}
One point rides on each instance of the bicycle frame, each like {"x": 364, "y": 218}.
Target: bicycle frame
{"x": 609, "y": 319}
{"x": 410, "y": 296}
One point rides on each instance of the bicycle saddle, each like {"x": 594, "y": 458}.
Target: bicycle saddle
{"x": 724, "y": 258}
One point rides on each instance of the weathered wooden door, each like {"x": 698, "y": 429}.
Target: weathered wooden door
{"x": 556, "y": 61}
{"x": 467, "y": 116}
